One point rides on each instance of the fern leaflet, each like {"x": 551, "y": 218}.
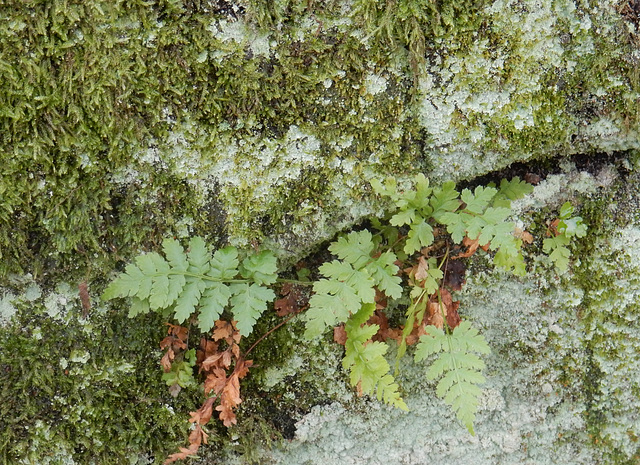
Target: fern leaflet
{"x": 365, "y": 359}
{"x": 457, "y": 366}
{"x": 350, "y": 282}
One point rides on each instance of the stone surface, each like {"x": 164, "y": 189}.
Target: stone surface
{"x": 262, "y": 124}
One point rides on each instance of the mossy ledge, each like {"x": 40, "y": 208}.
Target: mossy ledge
{"x": 259, "y": 121}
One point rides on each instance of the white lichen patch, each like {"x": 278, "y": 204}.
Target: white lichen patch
{"x": 79, "y": 356}
{"x": 374, "y": 84}
{"x": 7, "y": 309}
{"x": 238, "y": 33}
{"x": 464, "y": 92}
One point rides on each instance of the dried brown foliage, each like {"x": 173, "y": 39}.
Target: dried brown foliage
{"x": 223, "y": 366}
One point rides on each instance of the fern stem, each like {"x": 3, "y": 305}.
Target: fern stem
{"x": 294, "y": 281}
{"x": 261, "y": 338}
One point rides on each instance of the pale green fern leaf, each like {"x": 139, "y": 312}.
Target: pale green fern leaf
{"x": 403, "y": 217}
{"x": 175, "y": 255}
{"x": 444, "y": 199}
{"x": 477, "y": 201}
{"x": 213, "y": 302}
{"x": 514, "y": 189}
{"x": 177, "y": 282}
{"x": 457, "y": 366}
{"x": 249, "y": 301}
{"x": 355, "y": 248}
{"x": 336, "y": 298}
{"x": 559, "y": 253}
{"x": 420, "y": 235}
{"x": 456, "y": 224}
{"x": 198, "y": 256}
{"x": 179, "y": 264}
{"x": 147, "y": 267}
{"x": 138, "y": 307}
{"x": 342, "y": 274}
{"x": 423, "y": 191}
{"x": 388, "y": 391}
{"x": 324, "y": 310}
{"x": 126, "y": 284}
{"x": 388, "y": 189}
{"x": 365, "y": 359}
{"x": 261, "y": 268}
{"x": 509, "y": 261}
{"x": 224, "y": 264}
{"x": 384, "y": 272}
{"x": 189, "y": 298}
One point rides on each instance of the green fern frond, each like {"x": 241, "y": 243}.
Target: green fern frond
{"x": 184, "y": 284}
{"x": 336, "y": 297}
{"x": 511, "y": 190}
{"x": 355, "y": 248}
{"x": 457, "y": 366}
{"x": 365, "y": 359}
{"x": 350, "y": 282}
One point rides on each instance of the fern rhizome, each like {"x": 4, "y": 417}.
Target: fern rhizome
{"x": 414, "y": 255}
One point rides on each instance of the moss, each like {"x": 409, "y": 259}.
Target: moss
{"x": 88, "y": 183}
{"x": 608, "y": 321}
{"x": 89, "y": 391}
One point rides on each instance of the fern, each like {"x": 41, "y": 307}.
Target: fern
{"x": 459, "y": 369}
{"x": 563, "y": 229}
{"x": 196, "y": 282}
{"x": 365, "y": 273}
{"x": 347, "y": 291}
{"x": 350, "y": 282}
{"x": 365, "y": 359}
{"x": 483, "y": 218}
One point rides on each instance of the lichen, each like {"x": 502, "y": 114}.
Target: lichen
{"x": 563, "y": 378}
{"x": 234, "y": 107}
{"x": 262, "y": 123}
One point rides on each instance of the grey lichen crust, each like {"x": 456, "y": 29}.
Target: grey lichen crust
{"x": 564, "y": 377}
{"x": 535, "y": 79}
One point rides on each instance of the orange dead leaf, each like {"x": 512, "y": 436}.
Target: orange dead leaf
{"x": 207, "y": 349}
{"x": 223, "y": 330}
{"x": 203, "y": 414}
{"x": 166, "y": 360}
{"x": 211, "y": 362}
{"x": 294, "y": 300}
{"x": 229, "y": 399}
{"x": 421, "y": 269}
{"x": 215, "y": 381}
{"x": 524, "y": 235}
{"x": 443, "y": 308}
{"x": 85, "y": 299}
{"x": 340, "y": 335}
{"x": 471, "y": 245}
{"x": 235, "y": 350}
{"x": 553, "y": 227}
{"x": 197, "y": 437}
{"x": 436, "y": 310}
{"x": 379, "y": 318}
{"x": 380, "y": 300}
{"x": 242, "y": 367}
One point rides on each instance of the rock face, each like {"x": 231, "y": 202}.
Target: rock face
{"x": 563, "y": 376}
{"x": 261, "y": 124}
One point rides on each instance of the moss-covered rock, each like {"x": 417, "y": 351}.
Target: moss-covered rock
{"x": 127, "y": 121}
{"x": 261, "y": 124}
